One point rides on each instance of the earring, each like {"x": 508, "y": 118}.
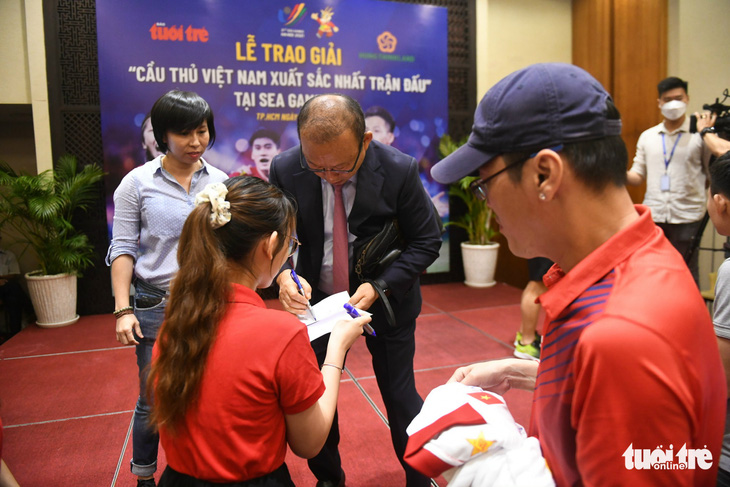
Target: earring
{"x": 542, "y": 196}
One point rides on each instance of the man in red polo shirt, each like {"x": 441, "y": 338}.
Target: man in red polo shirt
{"x": 630, "y": 388}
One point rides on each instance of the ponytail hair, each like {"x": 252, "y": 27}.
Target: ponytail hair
{"x": 201, "y": 290}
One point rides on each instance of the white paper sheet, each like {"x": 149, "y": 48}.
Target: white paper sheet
{"x": 328, "y": 312}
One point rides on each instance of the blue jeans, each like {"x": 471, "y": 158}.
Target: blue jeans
{"x": 144, "y": 441}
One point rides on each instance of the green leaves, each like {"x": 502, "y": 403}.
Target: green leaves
{"x": 447, "y": 145}
{"x": 477, "y": 221}
{"x": 40, "y": 208}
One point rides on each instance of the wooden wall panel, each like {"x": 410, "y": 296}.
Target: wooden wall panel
{"x": 592, "y": 39}
{"x": 640, "y": 62}
{"x": 623, "y": 43}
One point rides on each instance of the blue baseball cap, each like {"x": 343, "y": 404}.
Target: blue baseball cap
{"x": 540, "y": 106}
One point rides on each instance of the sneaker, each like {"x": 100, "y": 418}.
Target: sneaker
{"x": 146, "y": 483}
{"x": 531, "y": 351}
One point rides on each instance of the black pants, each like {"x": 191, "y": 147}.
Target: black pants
{"x": 15, "y": 301}
{"x": 723, "y": 478}
{"x": 392, "y": 352}
{"x": 278, "y": 478}
{"x": 681, "y": 236}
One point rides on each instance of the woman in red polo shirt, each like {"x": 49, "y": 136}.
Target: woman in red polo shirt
{"x": 6, "y": 476}
{"x": 235, "y": 382}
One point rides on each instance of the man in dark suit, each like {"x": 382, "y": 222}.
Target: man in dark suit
{"x": 377, "y": 183}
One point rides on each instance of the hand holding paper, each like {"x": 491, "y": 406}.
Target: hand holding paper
{"x": 328, "y": 311}
{"x": 364, "y": 297}
{"x": 345, "y": 333}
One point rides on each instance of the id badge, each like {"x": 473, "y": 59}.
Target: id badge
{"x": 664, "y": 182}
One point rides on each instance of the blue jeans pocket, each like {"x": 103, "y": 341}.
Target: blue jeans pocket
{"x": 147, "y": 302}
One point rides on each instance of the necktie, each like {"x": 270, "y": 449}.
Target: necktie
{"x": 340, "y": 254}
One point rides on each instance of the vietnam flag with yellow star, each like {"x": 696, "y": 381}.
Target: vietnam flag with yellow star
{"x": 458, "y": 422}
{"x": 487, "y": 397}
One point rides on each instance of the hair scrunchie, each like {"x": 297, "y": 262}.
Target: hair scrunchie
{"x": 220, "y": 209}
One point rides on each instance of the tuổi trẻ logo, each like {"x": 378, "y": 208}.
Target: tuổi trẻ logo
{"x": 659, "y": 459}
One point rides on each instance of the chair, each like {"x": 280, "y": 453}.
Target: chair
{"x": 709, "y": 294}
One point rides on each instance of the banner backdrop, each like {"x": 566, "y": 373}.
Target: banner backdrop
{"x": 257, "y": 62}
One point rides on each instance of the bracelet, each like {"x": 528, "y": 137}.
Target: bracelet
{"x": 341, "y": 369}
{"x": 127, "y": 310}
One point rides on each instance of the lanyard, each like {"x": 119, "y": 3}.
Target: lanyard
{"x": 664, "y": 148}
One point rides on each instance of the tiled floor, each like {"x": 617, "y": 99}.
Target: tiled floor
{"x": 67, "y": 395}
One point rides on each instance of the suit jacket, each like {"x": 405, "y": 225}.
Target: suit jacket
{"x": 387, "y": 186}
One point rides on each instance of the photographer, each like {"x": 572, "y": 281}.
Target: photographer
{"x": 706, "y": 127}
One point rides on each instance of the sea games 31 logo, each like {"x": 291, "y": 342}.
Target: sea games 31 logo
{"x": 291, "y": 16}
{"x": 658, "y": 459}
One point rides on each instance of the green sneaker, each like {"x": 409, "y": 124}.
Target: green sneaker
{"x": 531, "y": 351}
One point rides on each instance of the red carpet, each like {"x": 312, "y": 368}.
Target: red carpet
{"x": 67, "y": 394}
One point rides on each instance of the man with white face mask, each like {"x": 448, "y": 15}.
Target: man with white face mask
{"x": 673, "y": 162}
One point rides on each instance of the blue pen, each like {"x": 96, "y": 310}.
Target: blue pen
{"x": 301, "y": 290}
{"x": 354, "y": 314}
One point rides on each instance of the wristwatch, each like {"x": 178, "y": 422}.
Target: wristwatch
{"x": 707, "y": 130}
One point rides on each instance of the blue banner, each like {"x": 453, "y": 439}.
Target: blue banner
{"x": 257, "y": 62}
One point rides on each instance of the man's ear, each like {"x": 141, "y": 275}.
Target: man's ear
{"x": 549, "y": 173}
{"x": 367, "y": 138}
{"x": 721, "y": 203}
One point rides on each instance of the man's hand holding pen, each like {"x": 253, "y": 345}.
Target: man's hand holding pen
{"x": 289, "y": 295}
{"x": 302, "y": 292}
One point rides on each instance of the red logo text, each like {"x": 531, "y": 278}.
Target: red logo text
{"x": 161, "y": 32}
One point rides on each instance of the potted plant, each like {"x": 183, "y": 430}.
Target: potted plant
{"x": 479, "y": 252}
{"x": 39, "y": 209}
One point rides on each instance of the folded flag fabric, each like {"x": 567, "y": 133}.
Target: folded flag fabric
{"x": 468, "y": 435}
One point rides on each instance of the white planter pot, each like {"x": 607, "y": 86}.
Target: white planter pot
{"x": 480, "y": 262}
{"x": 54, "y": 299}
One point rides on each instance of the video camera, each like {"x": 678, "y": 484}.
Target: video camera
{"x": 722, "y": 123}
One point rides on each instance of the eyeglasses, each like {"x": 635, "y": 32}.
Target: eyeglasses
{"x": 294, "y": 245}
{"x": 479, "y": 186}
{"x": 305, "y": 164}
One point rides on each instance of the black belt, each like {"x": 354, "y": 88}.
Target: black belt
{"x": 278, "y": 478}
